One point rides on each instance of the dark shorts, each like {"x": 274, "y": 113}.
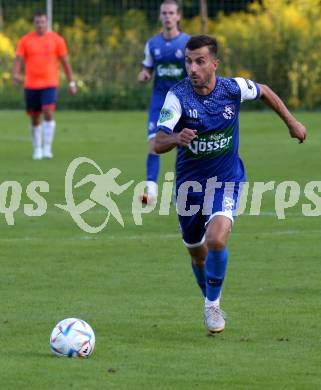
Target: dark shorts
{"x": 39, "y": 99}
{"x": 193, "y": 227}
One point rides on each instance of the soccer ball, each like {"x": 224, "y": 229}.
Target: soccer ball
{"x": 72, "y": 337}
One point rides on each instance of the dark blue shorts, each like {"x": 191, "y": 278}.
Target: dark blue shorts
{"x": 39, "y": 99}
{"x": 225, "y": 202}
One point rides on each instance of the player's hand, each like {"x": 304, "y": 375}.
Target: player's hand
{"x": 144, "y": 76}
{"x": 72, "y": 88}
{"x": 297, "y": 130}
{"x": 17, "y": 79}
{"x": 185, "y": 137}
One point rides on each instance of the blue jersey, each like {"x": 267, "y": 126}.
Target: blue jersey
{"x": 214, "y": 152}
{"x": 166, "y": 57}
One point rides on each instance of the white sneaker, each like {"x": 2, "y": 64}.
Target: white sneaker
{"x": 37, "y": 154}
{"x": 214, "y": 319}
{"x": 47, "y": 153}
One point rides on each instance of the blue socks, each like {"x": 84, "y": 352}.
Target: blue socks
{"x": 152, "y": 166}
{"x": 200, "y": 277}
{"x": 215, "y": 267}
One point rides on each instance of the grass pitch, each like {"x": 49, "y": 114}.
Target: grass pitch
{"x": 134, "y": 284}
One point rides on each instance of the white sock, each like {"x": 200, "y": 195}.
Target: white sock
{"x": 36, "y": 136}
{"x": 209, "y": 303}
{"x": 48, "y": 133}
{"x": 152, "y": 189}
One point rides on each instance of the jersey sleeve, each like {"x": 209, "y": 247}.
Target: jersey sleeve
{"x": 61, "y": 47}
{"x": 21, "y": 48}
{"x": 148, "y": 60}
{"x": 169, "y": 114}
{"x": 249, "y": 89}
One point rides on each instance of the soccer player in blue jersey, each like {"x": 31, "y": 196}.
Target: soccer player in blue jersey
{"x": 200, "y": 118}
{"x": 164, "y": 56}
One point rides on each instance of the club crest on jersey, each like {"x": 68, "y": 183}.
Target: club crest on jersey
{"x": 179, "y": 53}
{"x": 165, "y": 115}
{"x": 157, "y": 52}
{"x": 229, "y": 112}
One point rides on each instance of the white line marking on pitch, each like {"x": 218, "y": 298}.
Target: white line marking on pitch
{"x": 154, "y": 235}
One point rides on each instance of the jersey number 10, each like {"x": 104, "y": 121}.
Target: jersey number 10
{"x": 192, "y": 113}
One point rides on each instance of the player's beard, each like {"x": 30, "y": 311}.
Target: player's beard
{"x": 202, "y": 82}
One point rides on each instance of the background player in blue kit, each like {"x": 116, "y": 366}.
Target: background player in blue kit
{"x": 200, "y": 118}
{"x": 164, "y": 56}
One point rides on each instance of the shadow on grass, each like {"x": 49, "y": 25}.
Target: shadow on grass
{"x": 37, "y": 355}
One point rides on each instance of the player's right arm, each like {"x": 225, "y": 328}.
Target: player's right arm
{"x": 170, "y": 114}
{"x": 166, "y": 142}
{"x": 19, "y": 61}
{"x": 146, "y": 73}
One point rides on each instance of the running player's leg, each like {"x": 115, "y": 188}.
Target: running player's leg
{"x": 215, "y": 268}
{"x": 198, "y": 255}
{"x": 33, "y": 107}
{"x": 205, "y": 237}
{"x": 153, "y": 159}
{"x": 48, "y": 100}
{"x": 216, "y": 261}
{"x": 193, "y": 234}
{"x": 218, "y": 227}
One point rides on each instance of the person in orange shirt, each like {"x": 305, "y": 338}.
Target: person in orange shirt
{"x": 40, "y": 52}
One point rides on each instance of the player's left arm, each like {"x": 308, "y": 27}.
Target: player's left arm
{"x": 62, "y": 55}
{"x": 271, "y": 99}
{"x": 68, "y": 72}
{"x": 17, "y": 66}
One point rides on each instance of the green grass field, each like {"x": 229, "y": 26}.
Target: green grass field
{"x": 134, "y": 285}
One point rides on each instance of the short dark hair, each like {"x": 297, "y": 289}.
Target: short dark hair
{"x": 39, "y": 13}
{"x": 199, "y": 41}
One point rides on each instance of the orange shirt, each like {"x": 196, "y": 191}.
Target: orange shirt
{"x": 41, "y": 53}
